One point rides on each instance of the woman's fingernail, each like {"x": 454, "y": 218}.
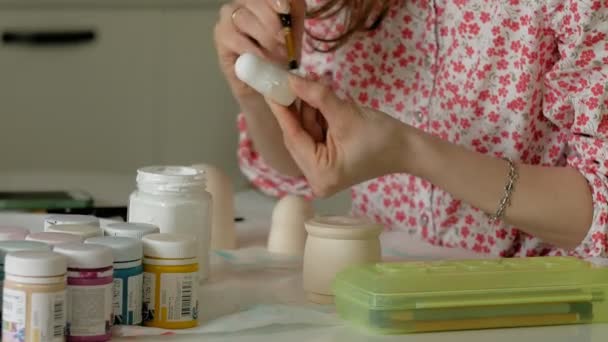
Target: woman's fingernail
{"x": 282, "y": 6}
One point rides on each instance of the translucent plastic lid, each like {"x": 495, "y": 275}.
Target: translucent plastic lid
{"x": 170, "y": 246}
{"x": 444, "y": 284}
{"x": 52, "y": 220}
{"x": 35, "y": 264}
{"x": 81, "y": 256}
{"x": 54, "y": 239}
{"x": 85, "y": 231}
{"x": 16, "y": 246}
{"x": 124, "y": 249}
{"x": 130, "y": 229}
{"x": 13, "y": 233}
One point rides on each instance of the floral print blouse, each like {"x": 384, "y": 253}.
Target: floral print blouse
{"x": 524, "y": 79}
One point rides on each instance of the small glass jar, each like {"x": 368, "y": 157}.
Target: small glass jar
{"x": 174, "y": 199}
{"x": 334, "y": 243}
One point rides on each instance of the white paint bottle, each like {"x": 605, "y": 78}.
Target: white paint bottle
{"x": 174, "y": 198}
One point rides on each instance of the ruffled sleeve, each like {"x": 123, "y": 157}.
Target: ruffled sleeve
{"x": 576, "y": 100}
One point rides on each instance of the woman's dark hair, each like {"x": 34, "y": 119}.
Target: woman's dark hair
{"x": 356, "y": 16}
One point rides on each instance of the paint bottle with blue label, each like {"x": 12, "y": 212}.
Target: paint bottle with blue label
{"x": 128, "y": 277}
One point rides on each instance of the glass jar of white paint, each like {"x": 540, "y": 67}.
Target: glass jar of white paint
{"x": 174, "y": 198}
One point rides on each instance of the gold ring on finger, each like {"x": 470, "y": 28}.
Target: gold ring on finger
{"x": 234, "y": 13}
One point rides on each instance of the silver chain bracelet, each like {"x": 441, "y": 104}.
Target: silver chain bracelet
{"x": 505, "y": 202}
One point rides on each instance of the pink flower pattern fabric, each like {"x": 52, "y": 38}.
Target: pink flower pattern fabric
{"x": 524, "y": 79}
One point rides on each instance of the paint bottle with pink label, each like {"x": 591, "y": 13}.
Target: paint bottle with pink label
{"x": 90, "y": 281}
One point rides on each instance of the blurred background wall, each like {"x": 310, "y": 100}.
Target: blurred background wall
{"x": 133, "y": 83}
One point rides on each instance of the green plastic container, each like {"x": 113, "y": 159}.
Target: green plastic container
{"x": 411, "y": 297}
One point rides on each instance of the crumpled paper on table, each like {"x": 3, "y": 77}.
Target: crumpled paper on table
{"x": 249, "y": 289}
{"x": 254, "y": 318}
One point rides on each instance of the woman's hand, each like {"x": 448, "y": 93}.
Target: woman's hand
{"x": 335, "y": 143}
{"x": 254, "y": 26}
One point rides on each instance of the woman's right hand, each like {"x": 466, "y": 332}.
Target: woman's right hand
{"x": 254, "y": 26}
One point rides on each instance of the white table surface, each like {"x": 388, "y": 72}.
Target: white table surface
{"x": 235, "y": 289}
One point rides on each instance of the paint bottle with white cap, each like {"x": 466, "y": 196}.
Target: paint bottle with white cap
{"x": 34, "y": 298}
{"x": 170, "y": 281}
{"x": 128, "y": 277}
{"x": 7, "y": 247}
{"x": 90, "y": 285}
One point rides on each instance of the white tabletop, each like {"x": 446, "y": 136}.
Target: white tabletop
{"x": 262, "y": 299}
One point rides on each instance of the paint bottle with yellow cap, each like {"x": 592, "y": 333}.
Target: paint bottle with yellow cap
{"x": 170, "y": 281}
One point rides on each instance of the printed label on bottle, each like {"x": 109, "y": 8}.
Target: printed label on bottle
{"x": 117, "y": 302}
{"x": 13, "y": 316}
{"x": 179, "y": 296}
{"x": 149, "y": 300}
{"x": 48, "y": 316}
{"x": 134, "y": 297}
{"x": 90, "y": 312}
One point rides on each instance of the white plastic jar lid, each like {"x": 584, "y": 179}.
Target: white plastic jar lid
{"x": 80, "y": 255}
{"x": 35, "y": 264}
{"x": 13, "y": 233}
{"x": 85, "y": 231}
{"x": 52, "y": 220}
{"x": 17, "y": 246}
{"x": 124, "y": 249}
{"x": 343, "y": 227}
{"x": 130, "y": 229}
{"x": 54, "y": 239}
{"x": 169, "y": 246}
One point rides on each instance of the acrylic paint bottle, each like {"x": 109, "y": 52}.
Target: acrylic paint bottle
{"x": 16, "y": 246}
{"x": 130, "y": 229}
{"x": 90, "y": 283}
{"x": 34, "y": 298}
{"x": 128, "y": 277}
{"x": 170, "y": 281}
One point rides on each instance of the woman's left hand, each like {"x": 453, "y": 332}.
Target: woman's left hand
{"x": 356, "y": 145}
